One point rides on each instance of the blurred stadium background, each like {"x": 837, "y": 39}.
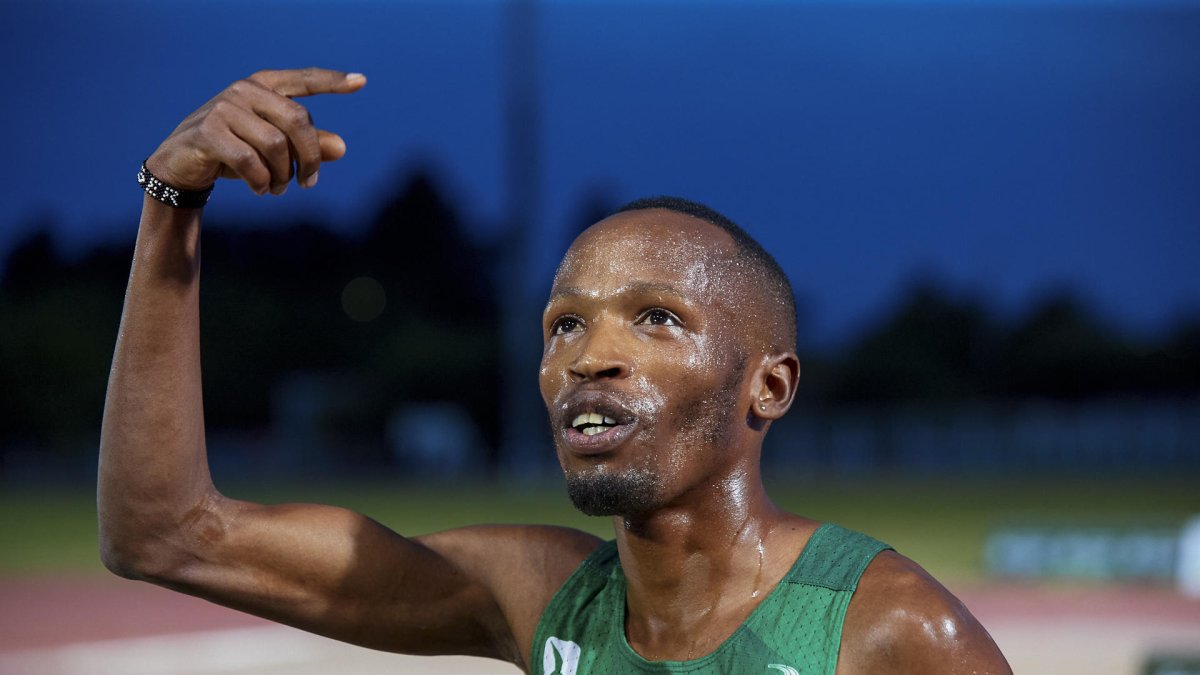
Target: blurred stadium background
{"x": 990, "y": 212}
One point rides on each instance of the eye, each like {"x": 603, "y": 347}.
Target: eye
{"x": 566, "y": 324}
{"x": 658, "y": 317}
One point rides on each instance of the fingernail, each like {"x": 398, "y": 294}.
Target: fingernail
{"x": 354, "y": 77}
{"x": 279, "y": 188}
{"x": 310, "y": 181}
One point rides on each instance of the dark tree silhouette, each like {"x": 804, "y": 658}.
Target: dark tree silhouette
{"x": 932, "y": 348}
{"x": 1062, "y": 351}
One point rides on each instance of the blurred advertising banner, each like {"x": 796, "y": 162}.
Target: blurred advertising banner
{"x": 1173, "y": 665}
{"x": 1122, "y": 553}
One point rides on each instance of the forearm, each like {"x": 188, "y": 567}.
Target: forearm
{"x": 153, "y": 470}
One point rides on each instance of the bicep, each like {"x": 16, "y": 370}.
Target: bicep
{"x": 340, "y": 574}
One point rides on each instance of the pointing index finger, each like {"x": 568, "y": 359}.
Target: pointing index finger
{"x": 309, "y": 81}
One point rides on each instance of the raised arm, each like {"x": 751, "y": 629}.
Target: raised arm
{"x": 323, "y": 569}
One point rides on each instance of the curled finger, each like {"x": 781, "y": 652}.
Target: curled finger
{"x": 239, "y": 160}
{"x": 296, "y": 123}
{"x": 270, "y": 142}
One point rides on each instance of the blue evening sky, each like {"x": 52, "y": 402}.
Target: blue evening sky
{"x": 1006, "y": 149}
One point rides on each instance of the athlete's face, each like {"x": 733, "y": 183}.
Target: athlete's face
{"x": 643, "y": 368}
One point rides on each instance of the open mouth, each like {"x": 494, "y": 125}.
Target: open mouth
{"x": 596, "y": 422}
{"x": 591, "y": 423}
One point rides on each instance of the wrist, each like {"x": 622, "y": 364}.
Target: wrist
{"x": 171, "y": 195}
{"x": 168, "y": 240}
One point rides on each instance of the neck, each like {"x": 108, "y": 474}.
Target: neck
{"x": 721, "y": 513}
{"x": 696, "y": 569}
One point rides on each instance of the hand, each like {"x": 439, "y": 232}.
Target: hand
{"x": 254, "y": 131}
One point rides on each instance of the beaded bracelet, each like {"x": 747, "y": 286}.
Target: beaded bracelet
{"x": 172, "y": 196}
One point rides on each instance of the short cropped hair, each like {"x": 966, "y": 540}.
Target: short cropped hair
{"x": 774, "y": 280}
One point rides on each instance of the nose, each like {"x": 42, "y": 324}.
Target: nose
{"x": 600, "y": 357}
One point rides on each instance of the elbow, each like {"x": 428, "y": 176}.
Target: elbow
{"x": 150, "y": 547}
{"x": 119, "y": 560}
{"x": 149, "y": 560}
{"x": 122, "y": 548}
{"x": 127, "y": 556}
{"x": 139, "y": 555}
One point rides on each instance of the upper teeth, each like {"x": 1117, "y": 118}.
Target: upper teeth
{"x": 589, "y": 420}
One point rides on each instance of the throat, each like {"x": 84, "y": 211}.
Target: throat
{"x": 687, "y": 635}
{"x": 684, "y": 602}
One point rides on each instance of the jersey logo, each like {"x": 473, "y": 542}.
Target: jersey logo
{"x": 786, "y": 670}
{"x": 561, "y": 657}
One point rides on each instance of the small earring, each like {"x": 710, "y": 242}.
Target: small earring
{"x": 762, "y": 406}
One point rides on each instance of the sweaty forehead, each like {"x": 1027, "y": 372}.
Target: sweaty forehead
{"x": 655, "y": 245}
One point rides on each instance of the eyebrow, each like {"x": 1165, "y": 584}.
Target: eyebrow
{"x": 632, "y": 288}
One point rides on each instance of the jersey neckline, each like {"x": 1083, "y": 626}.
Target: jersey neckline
{"x": 620, "y": 610}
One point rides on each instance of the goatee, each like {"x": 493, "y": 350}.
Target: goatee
{"x": 630, "y": 493}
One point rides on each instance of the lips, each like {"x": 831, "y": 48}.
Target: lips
{"x": 594, "y": 422}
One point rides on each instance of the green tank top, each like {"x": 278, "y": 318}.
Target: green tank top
{"x": 796, "y": 630}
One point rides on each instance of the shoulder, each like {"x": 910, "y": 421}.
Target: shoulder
{"x": 902, "y": 620}
{"x": 520, "y": 566}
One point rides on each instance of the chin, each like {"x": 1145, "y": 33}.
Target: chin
{"x": 597, "y": 491}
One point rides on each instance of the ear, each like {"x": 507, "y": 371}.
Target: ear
{"x": 775, "y": 386}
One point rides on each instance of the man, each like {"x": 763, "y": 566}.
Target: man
{"x": 669, "y": 350}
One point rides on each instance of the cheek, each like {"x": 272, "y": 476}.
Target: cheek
{"x": 648, "y": 399}
{"x": 706, "y": 357}
{"x": 549, "y": 373}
